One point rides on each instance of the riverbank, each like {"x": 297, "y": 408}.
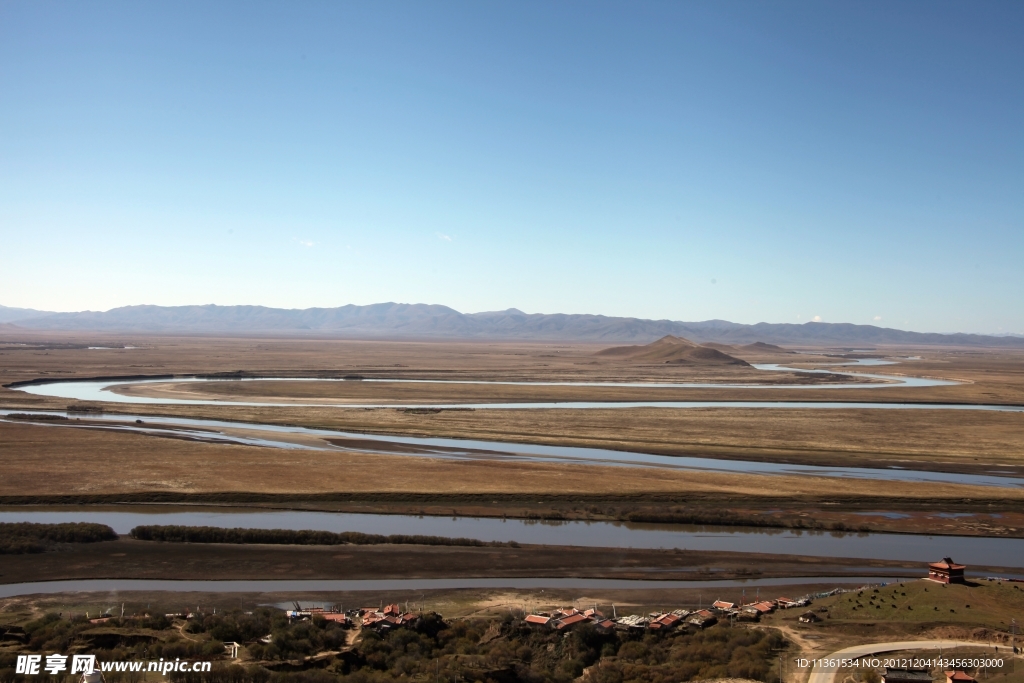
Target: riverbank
{"x": 128, "y": 558}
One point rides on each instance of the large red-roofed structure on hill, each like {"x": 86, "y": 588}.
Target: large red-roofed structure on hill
{"x": 946, "y": 571}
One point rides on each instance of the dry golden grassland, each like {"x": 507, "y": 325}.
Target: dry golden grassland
{"x": 927, "y": 439}
{"x": 983, "y": 603}
{"x": 53, "y": 461}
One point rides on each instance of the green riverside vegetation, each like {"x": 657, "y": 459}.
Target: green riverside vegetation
{"x": 26, "y": 537}
{"x": 209, "y": 534}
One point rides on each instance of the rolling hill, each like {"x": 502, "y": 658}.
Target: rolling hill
{"x": 671, "y": 349}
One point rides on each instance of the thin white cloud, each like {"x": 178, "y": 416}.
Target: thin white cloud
{"x": 816, "y": 318}
{"x": 442, "y": 236}
{"x": 877, "y": 317}
{"x": 306, "y": 243}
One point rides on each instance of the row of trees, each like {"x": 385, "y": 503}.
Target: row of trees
{"x": 729, "y": 518}
{"x": 209, "y": 534}
{"x": 27, "y": 537}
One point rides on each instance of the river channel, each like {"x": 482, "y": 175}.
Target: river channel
{"x": 1005, "y": 552}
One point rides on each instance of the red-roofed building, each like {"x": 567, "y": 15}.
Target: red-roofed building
{"x": 946, "y": 571}
{"x": 570, "y": 621}
{"x": 702, "y": 618}
{"x": 538, "y": 620}
{"x": 959, "y": 677}
{"x": 335, "y": 616}
{"x": 390, "y": 617}
{"x": 664, "y": 622}
{"x": 722, "y": 604}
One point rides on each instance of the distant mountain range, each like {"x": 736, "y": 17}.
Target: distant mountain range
{"x": 425, "y": 321}
{"x": 8, "y": 314}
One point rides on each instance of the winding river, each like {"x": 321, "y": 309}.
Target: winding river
{"x": 106, "y": 390}
{"x": 319, "y": 439}
{"x": 304, "y": 438}
{"x": 984, "y": 551}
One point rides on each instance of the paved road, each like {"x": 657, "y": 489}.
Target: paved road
{"x": 826, "y": 674}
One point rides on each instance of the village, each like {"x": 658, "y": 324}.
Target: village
{"x": 387, "y": 617}
{"x": 481, "y": 644}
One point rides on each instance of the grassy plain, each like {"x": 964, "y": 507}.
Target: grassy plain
{"x": 49, "y": 463}
{"x": 979, "y": 614}
{"x": 961, "y": 441}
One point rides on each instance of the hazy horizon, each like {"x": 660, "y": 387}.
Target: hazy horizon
{"x": 850, "y": 162}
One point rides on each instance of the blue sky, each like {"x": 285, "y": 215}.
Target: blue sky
{"x": 857, "y": 161}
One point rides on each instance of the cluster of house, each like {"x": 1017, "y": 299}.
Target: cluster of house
{"x": 571, "y": 617}
{"x": 568, "y": 618}
{"x": 334, "y": 613}
{"x": 387, "y": 618}
{"x": 383, "y": 618}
